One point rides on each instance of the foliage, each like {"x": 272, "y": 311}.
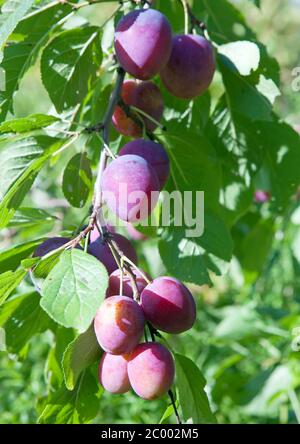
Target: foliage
{"x": 240, "y": 363}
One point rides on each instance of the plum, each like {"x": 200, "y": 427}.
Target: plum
{"x": 143, "y": 95}
{"x": 130, "y": 188}
{"x": 113, "y": 375}
{"x": 119, "y": 324}
{"x": 151, "y": 370}
{"x": 114, "y": 284}
{"x": 191, "y": 67}
{"x": 154, "y": 153}
{"x": 143, "y": 42}
{"x": 51, "y": 244}
{"x": 169, "y": 305}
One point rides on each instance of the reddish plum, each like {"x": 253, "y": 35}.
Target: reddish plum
{"x": 113, "y": 375}
{"x": 143, "y": 95}
{"x": 119, "y": 324}
{"x": 114, "y": 284}
{"x": 151, "y": 370}
{"x": 130, "y": 188}
{"x": 169, "y": 305}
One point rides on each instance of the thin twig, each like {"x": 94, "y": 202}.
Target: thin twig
{"x": 172, "y": 398}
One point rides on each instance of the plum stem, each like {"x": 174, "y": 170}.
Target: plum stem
{"x": 121, "y": 261}
{"x": 172, "y": 398}
{"x": 126, "y": 259}
{"x": 186, "y": 16}
{"x": 190, "y": 17}
{"x": 147, "y": 116}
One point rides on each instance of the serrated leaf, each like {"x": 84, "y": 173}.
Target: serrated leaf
{"x": 78, "y": 406}
{"x": 74, "y": 289}
{"x": 192, "y": 397}
{"x": 69, "y": 63}
{"x": 194, "y": 163}
{"x": 30, "y": 35}
{"x": 11, "y": 258}
{"x": 9, "y": 281}
{"x": 11, "y": 13}
{"x": 241, "y": 93}
{"x": 26, "y": 124}
{"x": 22, "y": 318}
{"x": 190, "y": 258}
{"x": 80, "y": 353}
{"x": 29, "y": 166}
{"x": 77, "y": 180}
{"x": 194, "y": 168}
{"x": 28, "y": 217}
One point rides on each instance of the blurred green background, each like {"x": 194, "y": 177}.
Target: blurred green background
{"x": 247, "y": 337}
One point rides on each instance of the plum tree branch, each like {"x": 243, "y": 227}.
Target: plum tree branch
{"x": 104, "y": 127}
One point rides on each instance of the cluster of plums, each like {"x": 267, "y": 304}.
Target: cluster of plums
{"x": 166, "y": 303}
{"x": 119, "y": 326}
{"x": 145, "y": 47}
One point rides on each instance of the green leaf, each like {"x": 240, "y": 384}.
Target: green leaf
{"x": 189, "y": 258}
{"x": 27, "y": 264}
{"x": 77, "y": 180}
{"x": 26, "y": 124}
{"x": 11, "y": 13}
{"x": 22, "y": 318}
{"x": 192, "y": 397}
{"x": 53, "y": 367}
{"x": 30, "y": 35}
{"x": 29, "y": 164}
{"x": 9, "y": 281}
{"x": 281, "y": 145}
{"x": 78, "y": 406}
{"x": 241, "y": 93}
{"x": 225, "y": 22}
{"x": 168, "y": 412}
{"x": 261, "y": 236}
{"x": 80, "y": 354}
{"x": 11, "y": 258}
{"x": 29, "y": 217}
{"x": 69, "y": 63}
{"x": 194, "y": 163}
{"x": 244, "y": 55}
{"x": 194, "y": 167}
{"x": 74, "y": 289}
